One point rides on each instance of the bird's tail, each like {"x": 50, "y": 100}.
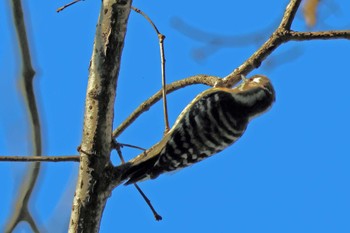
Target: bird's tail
{"x": 139, "y": 172}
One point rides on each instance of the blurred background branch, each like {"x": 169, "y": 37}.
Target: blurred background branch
{"x": 21, "y": 210}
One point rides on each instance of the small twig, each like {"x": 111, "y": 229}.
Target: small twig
{"x": 289, "y": 14}
{"x": 198, "y": 79}
{"x": 156, "y": 215}
{"x": 162, "y": 65}
{"x": 71, "y": 158}
{"x": 325, "y": 35}
{"x": 161, "y": 38}
{"x": 131, "y": 146}
{"x": 117, "y": 146}
{"x": 67, "y": 5}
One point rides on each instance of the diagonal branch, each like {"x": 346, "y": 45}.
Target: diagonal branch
{"x": 289, "y": 14}
{"x": 197, "y": 79}
{"x": 281, "y": 35}
{"x": 275, "y": 40}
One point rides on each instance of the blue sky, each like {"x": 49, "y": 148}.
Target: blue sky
{"x": 288, "y": 173}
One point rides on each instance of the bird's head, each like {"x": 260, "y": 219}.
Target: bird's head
{"x": 256, "y": 93}
{"x": 255, "y": 82}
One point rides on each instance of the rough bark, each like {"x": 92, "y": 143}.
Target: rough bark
{"x": 93, "y": 186}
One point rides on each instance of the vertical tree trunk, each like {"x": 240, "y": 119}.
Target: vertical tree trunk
{"x": 93, "y": 186}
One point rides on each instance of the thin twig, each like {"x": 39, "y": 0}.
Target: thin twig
{"x": 161, "y": 38}
{"x": 117, "y": 147}
{"x": 162, "y": 65}
{"x": 131, "y": 146}
{"x": 289, "y": 14}
{"x": 325, "y": 35}
{"x": 14, "y": 158}
{"x": 198, "y": 79}
{"x": 156, "y": 215}
{"x": 67, "y": 5}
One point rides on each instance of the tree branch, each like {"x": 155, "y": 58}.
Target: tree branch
{"x": 145, "y": 106}
{"x": 275, "y": 40}
{"x": 324, "y": 35}
{"x": 289, "y": 14}
{"x": 14, "y": 158}
{"x": 281, "y": 35}
{"x": 93, "y": 185}
{"x": 21, "y": 210}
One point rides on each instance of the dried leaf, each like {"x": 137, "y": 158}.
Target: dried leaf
{"x": 309, "y": 11}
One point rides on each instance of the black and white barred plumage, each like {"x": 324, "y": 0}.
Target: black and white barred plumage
{"x": 214, "y": 120}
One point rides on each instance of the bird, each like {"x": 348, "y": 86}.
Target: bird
{"x": 214, "y": 120}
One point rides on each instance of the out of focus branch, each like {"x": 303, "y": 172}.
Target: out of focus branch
{"x": 21, "y": 209}
{"x": 214, "y": 42}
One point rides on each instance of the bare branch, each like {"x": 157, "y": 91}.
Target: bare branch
{"x": 275, "y": 40}
{"x": 198, "y": 79}
{"x": 161, "y": 39}
{"x": 21, "y": 211}
{"x": 14, "y": 158}
{"x": 289, "y": 14}
{"x": 155, "y": 214}
{"x": 325, "y": 35}
{"x": 117, "y": 146}
{"x": 67, "y": 5}
{"x": 281, "y": 35}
